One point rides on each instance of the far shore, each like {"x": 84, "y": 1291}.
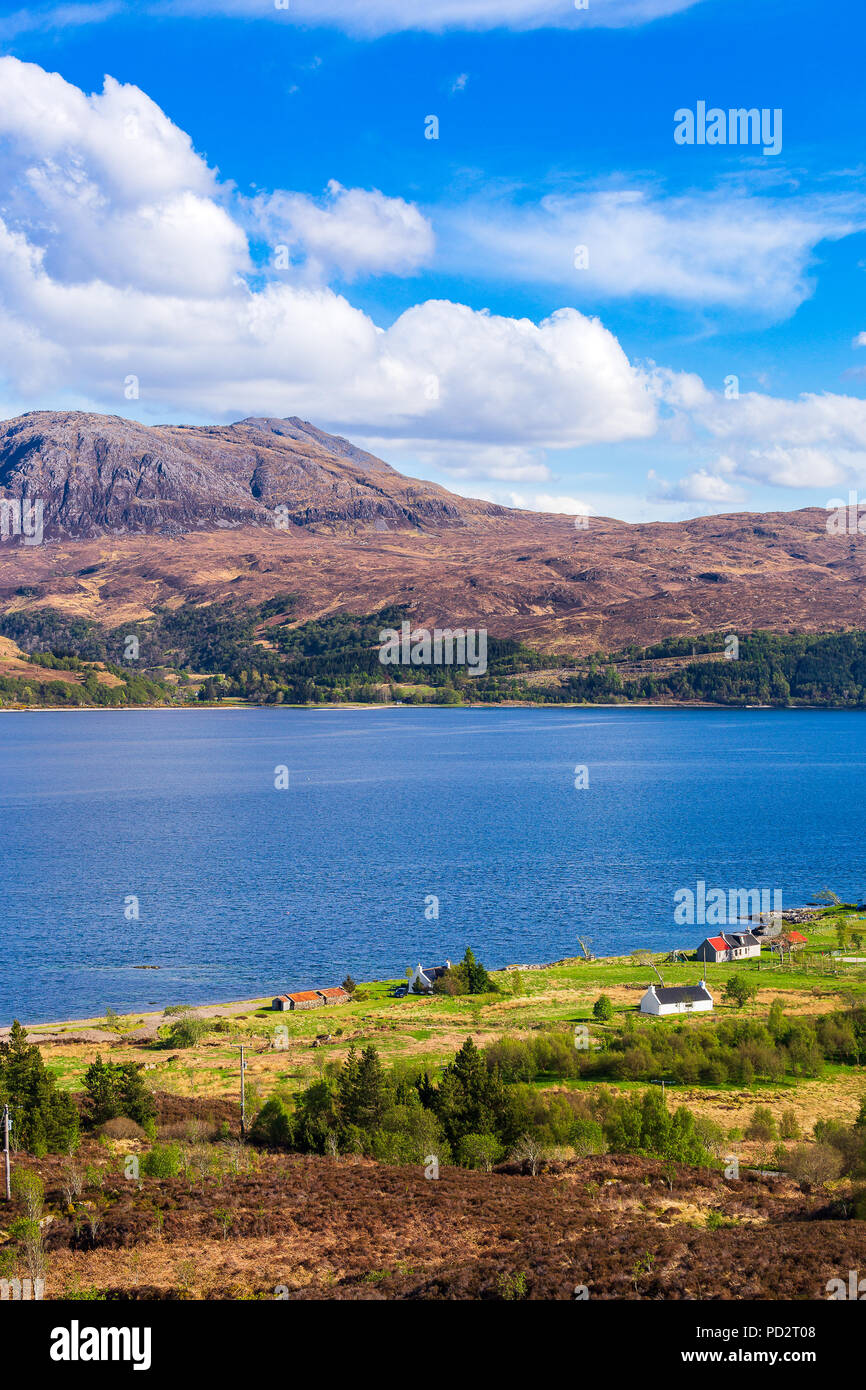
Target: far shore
{"x": 408, "y": 705}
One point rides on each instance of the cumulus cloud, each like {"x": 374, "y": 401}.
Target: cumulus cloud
{"x": 702, "y": 485}
{"x": 106, "y": 187}
{"x": 350, "y": 231}
{"x": 729, "y": 249}
{"x": 121, "y": 254}
{"x": 815, "y": 441}
{"x": 550, "y": 502}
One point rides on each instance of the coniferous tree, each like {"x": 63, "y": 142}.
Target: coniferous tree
{"x": 44, "y": 1120}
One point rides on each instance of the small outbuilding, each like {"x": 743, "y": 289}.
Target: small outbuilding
{"x": 334, "y": 994}
{"x": 676, "y": 999}
{"x": 304, "y": 999}
{"x": 795, "y": 940}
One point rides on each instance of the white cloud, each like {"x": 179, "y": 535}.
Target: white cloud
{"x": 724, "y": 249}
{"x": 549, "y": 502}
{"x": 351, "y": 231}
{"x": 107, "y": 187}
{"x": 463, "y": 462}
{"x": 815, "y": 441}
{"x": 374, "y": 17}
{"x": 32, "y": 19}
{"x": 119, "y": 255}
{"x": 114, "y": 264}
{"x": 700, "y": 486}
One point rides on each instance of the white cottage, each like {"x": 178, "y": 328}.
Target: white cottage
{"x": 676, "y": 999}
{"x": 425, "y": 976}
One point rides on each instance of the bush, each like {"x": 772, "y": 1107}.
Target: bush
{"x": 122, "y": 1128}
{"x": 163, "y": 1161}
{"x": 187, "y": 1032}
{"x": 762, "y": 1124}
{"x": 587, "y": 1137}
{"x": 815, "y": 1164}
{"x": 602, "y": 1009}
{"x": 789, "y": 1127}
{"x": 272, "y": 1126}
{"x": 479, "y": 1151}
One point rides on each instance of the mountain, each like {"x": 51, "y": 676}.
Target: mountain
{"x": 103, "y": 475}
{"x": 141, "y": 517}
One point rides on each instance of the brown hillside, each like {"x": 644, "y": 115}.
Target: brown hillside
{"x": 138, "y": 517}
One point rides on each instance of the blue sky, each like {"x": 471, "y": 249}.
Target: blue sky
{"x": 428, "y": 303}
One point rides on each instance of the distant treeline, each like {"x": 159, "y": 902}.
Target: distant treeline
{"x": 262, "y": 654}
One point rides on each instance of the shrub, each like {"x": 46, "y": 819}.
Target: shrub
{"x": 122, "y": 1128}
{"x": 587, "y": 1137}
{"x": 815, "y": 1164}
{"x": 479, "y": 1151}
{"x": 789, "y": 1127}
{"x": 30, "y": 1188}
{"x": 163, "y": 1161}
{"x": 272, "y": 1126}
{"x": 762, "y": 1125}
{"x": 602, "y": 1009}
{"x": 187, "y": 1032}
{"x": 512, "y": 1287}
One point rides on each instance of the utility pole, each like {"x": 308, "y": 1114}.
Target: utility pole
{"x": 6, "y": 1152}
{"x": 243, "y": 1095}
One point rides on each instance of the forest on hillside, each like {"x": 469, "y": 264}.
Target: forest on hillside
{"x": 263, "y": 654}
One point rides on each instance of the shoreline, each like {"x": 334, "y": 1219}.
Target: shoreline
{"x": 406, "y": 705}
{"x": 90, "y": 1021}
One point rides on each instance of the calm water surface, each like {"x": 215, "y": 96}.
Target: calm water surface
{"x": 244, "y": 889}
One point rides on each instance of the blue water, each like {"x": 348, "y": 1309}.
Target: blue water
{"x": 245, "y": 890}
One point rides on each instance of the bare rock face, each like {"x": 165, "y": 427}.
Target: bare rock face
{"x": 103, "y": 475}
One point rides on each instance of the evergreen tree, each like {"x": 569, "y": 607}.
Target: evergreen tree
{"x": 44, "y": 1120}
{"x": 372, "y": 1092}
{"x": 471, "y": 1098}
{"x": 116, "y": 1088}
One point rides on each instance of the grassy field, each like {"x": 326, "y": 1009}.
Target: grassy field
{"x": 286, "y": 1051}
{"x": 235, "y": 1221}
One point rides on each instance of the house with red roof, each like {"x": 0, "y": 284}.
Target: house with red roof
{"x": 304, "y": 999}
{"x": 795, "y": 940}
{"x": 728, "y": 945}
{"x": 310, "y": 999}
